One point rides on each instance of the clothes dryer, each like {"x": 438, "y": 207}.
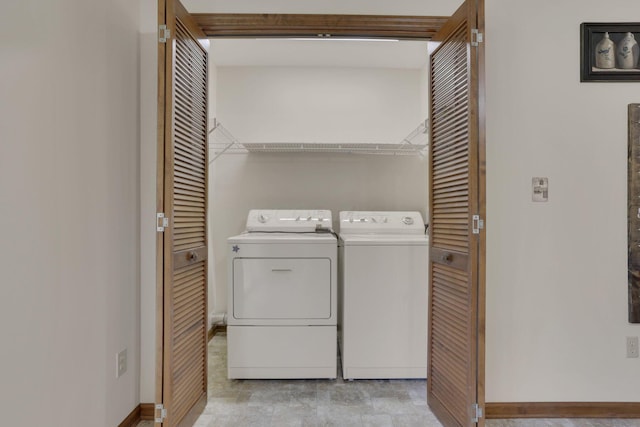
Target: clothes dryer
{"x": 383, "y": 293}
{"x": 282, "y": 296}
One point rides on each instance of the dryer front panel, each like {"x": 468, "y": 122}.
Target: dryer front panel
{"x": 294, "y": 289}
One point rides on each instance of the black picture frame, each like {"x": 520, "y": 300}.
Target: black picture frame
{"x": 590, "y": 35}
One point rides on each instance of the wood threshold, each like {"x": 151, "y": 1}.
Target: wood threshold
{"x": 495, "y": 410}
{"x": 238, "y": 25}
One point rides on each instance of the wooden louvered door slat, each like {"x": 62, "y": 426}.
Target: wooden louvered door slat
{"x": 184, "y": 371}
{"x": 456, "y": 336}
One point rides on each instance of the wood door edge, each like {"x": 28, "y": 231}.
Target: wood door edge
{"x": 161, "y": 100}
{"x": 482, "y": 211}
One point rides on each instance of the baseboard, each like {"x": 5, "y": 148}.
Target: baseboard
{"x": 143, "y": 411}
{"x": 216, "y": 329}
{"x": 133, "y": 419}
{"x": 496, "y": 410}
{"x": 147, "y": 411}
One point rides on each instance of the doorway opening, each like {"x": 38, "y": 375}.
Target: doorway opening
{"x": 256, "y": 26}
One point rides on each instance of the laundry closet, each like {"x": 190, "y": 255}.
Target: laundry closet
{"x": 323, "y": 138}
{"x": 300, "y": 124}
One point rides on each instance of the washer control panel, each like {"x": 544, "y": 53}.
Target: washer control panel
{"x": 288, "y": 220}
{"x": 381, "y": 222}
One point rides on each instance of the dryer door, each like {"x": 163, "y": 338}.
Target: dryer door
{"x": 281, "y": 288}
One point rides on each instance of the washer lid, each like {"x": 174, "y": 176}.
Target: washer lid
{"x": 381, "y": 222}
{"x": 294, "y": 220}
{"x": 384, "y": 240}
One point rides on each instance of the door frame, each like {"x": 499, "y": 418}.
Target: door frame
{"x": 262, "y": 26}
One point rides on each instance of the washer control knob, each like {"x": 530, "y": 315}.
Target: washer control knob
{"x": 262, "y": 219}
{"x": 407, "y": 220}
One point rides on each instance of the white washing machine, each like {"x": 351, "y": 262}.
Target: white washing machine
{"x": 384, "y": 280}
{"x": 282, "y": 296}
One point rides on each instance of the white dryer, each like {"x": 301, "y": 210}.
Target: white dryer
{"x": 282, "y": 296}
{"x": 384, "y": 280}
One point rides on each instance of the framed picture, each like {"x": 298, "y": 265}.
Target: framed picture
{"x": 609, "y": 52}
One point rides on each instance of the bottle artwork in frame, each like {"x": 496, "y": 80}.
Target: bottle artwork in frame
{"x": 610, "y": 52}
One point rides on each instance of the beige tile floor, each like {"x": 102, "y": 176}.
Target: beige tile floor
{"x": 314, "y": 403}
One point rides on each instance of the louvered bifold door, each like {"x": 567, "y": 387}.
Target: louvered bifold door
{"x": 185, "y": 248}
{"x": 452, "y": 368}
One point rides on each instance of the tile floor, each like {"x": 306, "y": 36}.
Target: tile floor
{"x": 312, "y": 403}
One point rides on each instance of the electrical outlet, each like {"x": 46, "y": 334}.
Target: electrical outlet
{"x": 632, "y": 347}
{"x": 121, "y": 363}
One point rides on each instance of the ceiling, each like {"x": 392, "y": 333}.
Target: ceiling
{"x": 318, "y": 53}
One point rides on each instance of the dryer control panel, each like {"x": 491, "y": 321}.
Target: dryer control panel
{"x": 381, "y": 222}
{"x": 297, "y": 221}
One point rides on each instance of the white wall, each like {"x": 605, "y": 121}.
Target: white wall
{"x": 148, "y": 49}
{"x": 70, "y": 207}
{"x": 212, "y": 111}
{"x": 323, "y": 104}
{"x": 312, "y": 105}
{"x": 424, "y": 90}
{"x": 556, "y": 271}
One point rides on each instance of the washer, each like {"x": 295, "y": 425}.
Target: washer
{"x": 384, "y": 279}
{"x": 282, "y": 296}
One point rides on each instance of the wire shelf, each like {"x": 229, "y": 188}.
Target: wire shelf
{"x": 222, "y": 141}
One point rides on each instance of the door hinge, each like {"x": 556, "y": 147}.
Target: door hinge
{"x": 162, "y": 222}
{"x": 160, "y": 413}
{"x": 476, "y": 413}
{"x": 476, "y": 37}
{"x": 164, "y": 33}
{"x": 477, "y": 224}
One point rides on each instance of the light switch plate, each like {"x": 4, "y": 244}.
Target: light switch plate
{"x": 540, "y": 189}
{"x": 632, "y": 347}
{"x": 121, "y": 363}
